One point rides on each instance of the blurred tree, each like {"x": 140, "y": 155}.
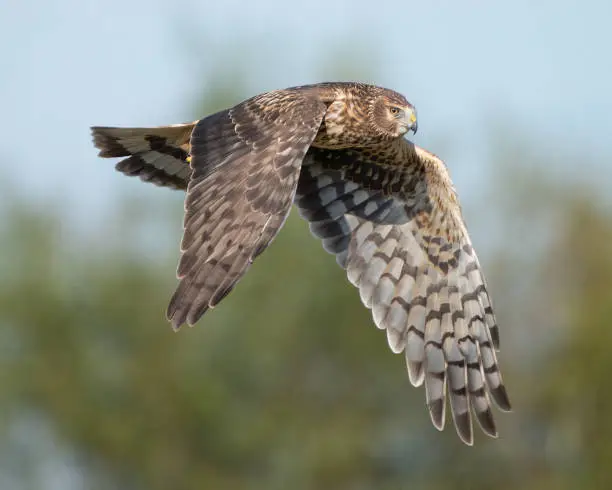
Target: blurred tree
{"x": 575, "y": 402}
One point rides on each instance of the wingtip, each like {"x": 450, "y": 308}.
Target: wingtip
{"x": 173, "y": 315}
{"x": 467, "y": 439}
{"x": 416, "y": 372}
{"x": 464, "y": 428}
{"x": 500, "y": 396}
{"x": 487, "y": 423}
{"x": 437, "y": 413}
{"x": 175, "y": 322}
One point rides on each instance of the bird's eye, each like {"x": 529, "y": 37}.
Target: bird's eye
{"x": 395, "y": 110}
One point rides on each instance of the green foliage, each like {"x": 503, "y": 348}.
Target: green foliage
{"x": 577, "y": 400}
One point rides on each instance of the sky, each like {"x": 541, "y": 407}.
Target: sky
{"x": 538, "y": 70}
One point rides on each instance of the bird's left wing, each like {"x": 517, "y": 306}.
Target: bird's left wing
{"x": 392, "y": 218}
{"x": 246, "y": 163}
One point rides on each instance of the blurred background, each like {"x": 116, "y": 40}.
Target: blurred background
{"x": 288, "y": 384}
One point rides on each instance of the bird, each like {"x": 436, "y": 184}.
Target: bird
{"x": 386, "y": 208}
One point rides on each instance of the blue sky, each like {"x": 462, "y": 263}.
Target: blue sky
{"x": 542, "y": 70}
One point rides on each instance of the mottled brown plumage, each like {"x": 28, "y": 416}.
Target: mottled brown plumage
{"x": 384, "y": 207}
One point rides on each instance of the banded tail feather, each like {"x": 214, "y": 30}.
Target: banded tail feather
{"x": 158, "y": 155}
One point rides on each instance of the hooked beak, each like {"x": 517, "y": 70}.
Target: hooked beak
{"x": 411, "y": 120}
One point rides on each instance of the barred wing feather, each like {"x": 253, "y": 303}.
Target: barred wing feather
{"x": 246, "y": 163}
{"x": 393, "y": 220}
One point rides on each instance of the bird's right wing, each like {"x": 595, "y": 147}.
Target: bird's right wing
{"x": 393, "y": 220}
{"x": 246, "y": 163}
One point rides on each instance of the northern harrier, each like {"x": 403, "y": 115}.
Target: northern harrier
{"x": 386, "y": 208}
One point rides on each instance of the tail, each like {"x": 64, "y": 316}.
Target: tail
{"x": 159, "y": 155}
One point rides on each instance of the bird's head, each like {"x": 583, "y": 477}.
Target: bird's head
{"x": 392, "y": 115}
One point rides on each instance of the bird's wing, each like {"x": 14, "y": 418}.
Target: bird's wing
{"x": 157, "y": 155}
{"x": 246, "y": 163}
{"x": 393, "y": 221}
